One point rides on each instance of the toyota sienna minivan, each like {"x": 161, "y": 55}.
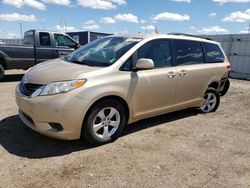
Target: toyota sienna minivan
{"x": 95, "y": 91}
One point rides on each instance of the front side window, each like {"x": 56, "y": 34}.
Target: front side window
{"x": 157, "y": 50}
{"x": 28, "y": 38}
{"x": 188, "y": 52}
{"x": 102, "y": 52}
{"x": 64, "y": 41}
{"x": 44, "y": 39}
{"x": 213, "y": 53}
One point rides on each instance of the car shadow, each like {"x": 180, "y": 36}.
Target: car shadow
{"x": 12, "y": 78}
{"x": 158, "y": 120}
{"x": 19, "y": 140}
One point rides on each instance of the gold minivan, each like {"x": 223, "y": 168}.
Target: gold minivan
{"x": 95, "y": 91}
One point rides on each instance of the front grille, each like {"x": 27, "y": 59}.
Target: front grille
{"x": 28, "y": 89}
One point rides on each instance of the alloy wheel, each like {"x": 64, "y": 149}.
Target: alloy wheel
{"x": 106, "y": 122}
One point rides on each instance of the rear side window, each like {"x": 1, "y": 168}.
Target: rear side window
{"x": 157, "y": 50}
{"x": 188, "y": 52}
{"x": 213, "y": 53}
{"x": 44, "y": 39}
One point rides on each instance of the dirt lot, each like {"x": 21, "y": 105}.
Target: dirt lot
{"x": 182, "y": 149}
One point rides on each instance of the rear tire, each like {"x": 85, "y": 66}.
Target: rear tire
{"x": 2, "y": 73}
{"x": 104, "y": 122}
{"x": 211, "y": 101}
{"x": 225, "y": 88}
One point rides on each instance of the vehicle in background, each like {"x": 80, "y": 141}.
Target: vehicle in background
{"x": 38, "y": 46}
{"x": 121, "y": 79}
{"x": 85, "y": 37}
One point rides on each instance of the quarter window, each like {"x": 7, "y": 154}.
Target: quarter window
{"x": 127, "y": 66}
{"x": 213, "y": 53}
{"x": 44, "y": 39}
{"x": 157, "y": 50}
{"x": 188, "y": 52}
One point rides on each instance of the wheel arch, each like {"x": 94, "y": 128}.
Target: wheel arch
{"x": 214, "y": 85}
{"x": 3, "y": 61}
{"x": 115, "y": 97}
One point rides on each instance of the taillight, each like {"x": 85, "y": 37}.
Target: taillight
{"x": 229, "y": 67}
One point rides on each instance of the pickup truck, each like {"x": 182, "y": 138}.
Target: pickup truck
{"x": 38, "y": 46}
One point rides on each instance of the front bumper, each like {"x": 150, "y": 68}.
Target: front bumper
{"x": 65, "y": 109}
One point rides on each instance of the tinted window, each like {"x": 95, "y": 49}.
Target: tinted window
{"x": 188, "y": 52}
{"x": 213, "y": 53}
{"x": 62, "y": 40}
{"x": 157, "y": 50}
{"x": 44, "y": 39}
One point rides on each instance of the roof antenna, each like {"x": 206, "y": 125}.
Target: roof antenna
{"x": 156, "y": 30}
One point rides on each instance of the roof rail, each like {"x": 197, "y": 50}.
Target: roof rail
{"x": 189, "y": 35}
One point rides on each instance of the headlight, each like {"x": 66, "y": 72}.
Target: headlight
{"x": 59, "y": 87}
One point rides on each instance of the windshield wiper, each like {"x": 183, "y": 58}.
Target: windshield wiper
{"x": 82, "y": 63}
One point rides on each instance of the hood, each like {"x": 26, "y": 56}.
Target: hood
{"x": 55, "y": 70}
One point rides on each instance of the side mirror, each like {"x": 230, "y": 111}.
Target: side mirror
{"x": 77, "y": 46}
{"x": 144, "y": 64}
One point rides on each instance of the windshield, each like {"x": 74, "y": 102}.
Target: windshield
{"x": 102, "y": 52}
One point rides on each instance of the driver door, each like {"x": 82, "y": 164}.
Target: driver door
{"x": 153, "y": 90}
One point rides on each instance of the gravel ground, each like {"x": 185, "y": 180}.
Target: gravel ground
{"x": 181, "y": 149}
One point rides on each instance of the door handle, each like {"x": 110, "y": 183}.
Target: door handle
{"x": 182, "y": 73}
{"x": 171, "y": 74}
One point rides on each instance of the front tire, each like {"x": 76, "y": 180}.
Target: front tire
{"x": 2, "y": 74}
{"x": 211, "y": 101}
{"x": 104, "y": 122}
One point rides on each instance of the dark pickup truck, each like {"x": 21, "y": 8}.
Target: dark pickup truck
{"x": 38, "y": 46}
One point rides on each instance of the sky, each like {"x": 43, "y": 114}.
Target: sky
{"x": 125, "y": 16}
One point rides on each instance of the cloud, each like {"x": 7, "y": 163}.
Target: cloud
{"x": 18, "y": 17}
{"x": 119, "y": 2}
{"x": 121, "y": 32}
{"x": 91, "y": 25}
{"x": 182, "y": 1}
{"x": 143, "y": 21}
{"x": 168, "y": 16}
{"x": 126, "y": 18}
{"x": 101, "y": 4}
{"x": 107, "y": 20}
{"x": 58, "y": 2}
{"x": 148, "y": 28}
{"x": 11, "y": 35}
{"x": 90, "y": 22}
{"x": 244, "y": 31}
{"x": 63, "y": 28}
{"x": 221, "y": 2}
{"x": 238, "y": 17}
{"x": 29, "y": 3}
{"x": 212, "y": 14}
{"x": 212, "y": 30}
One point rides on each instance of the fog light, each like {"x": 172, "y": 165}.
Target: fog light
{"x": 56, "y": 126}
